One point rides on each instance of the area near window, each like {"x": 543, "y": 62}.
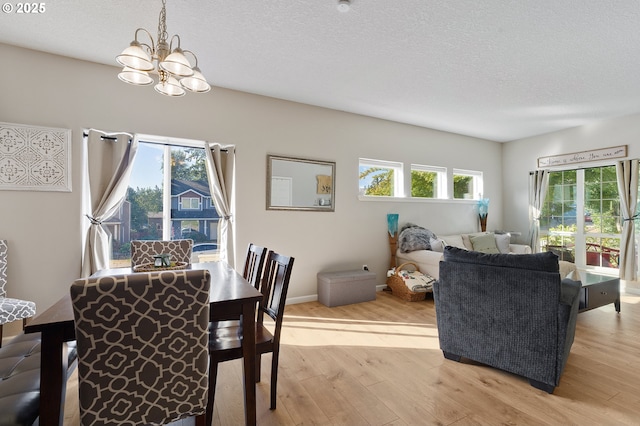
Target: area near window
{"x": 467, "y": 184}
{"x": 168, "y": 198}
{"x": 380, "y": 178}
{"x": 581, "y": 219}
{"x": 428, "y": 181}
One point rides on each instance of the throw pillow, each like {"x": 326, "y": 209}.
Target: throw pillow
{"x": 437, "y": 244}
{"x": 484, "y": 243}
{"x": 503, "y": 241}
{"x": 414, "y": 237}
{"x": 454, "y": 241}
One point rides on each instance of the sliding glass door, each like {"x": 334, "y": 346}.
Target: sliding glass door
{"x": 581, "y": 217}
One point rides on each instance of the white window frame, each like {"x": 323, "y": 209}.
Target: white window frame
{"x": 190, "y": 204}
{"x": 477, "y": 183}
{"x": 441, "y": 184}
{"x": 398, "y": 181}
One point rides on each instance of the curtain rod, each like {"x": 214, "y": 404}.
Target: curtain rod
{"x": 107, "y": 136}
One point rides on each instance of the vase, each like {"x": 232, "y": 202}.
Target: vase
{"x": 483, "y": 223}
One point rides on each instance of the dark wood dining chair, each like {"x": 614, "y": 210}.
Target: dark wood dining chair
{"x": 254, "y": 264}
{"x": 142, "y": 342}
{"x": 225, "y": 343}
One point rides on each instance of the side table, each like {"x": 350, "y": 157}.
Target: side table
{"x": 598, "y": 290}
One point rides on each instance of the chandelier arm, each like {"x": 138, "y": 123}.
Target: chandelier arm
{"x": 171, "y": 42}
{"x": 151, "y": 47}
{"x": 194, "y": 56}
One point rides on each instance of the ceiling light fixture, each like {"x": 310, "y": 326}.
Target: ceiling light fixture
{"x": 344, "y": 5}
{"x": 175, "y": 72}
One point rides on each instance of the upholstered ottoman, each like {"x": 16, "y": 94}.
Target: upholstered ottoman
{"x": 346, "y": 287}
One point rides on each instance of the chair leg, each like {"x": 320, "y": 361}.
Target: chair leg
{"x": 542, "y": 386}
{"x": 453, "y": 357}
{"x": 213, "y": 377}
{"x": 258, "y": 367}
{"x": 274, "y": 377}
{"x": 24, "y": 323}
{"x": 201, "y": 420}
{"x": 0, "y": 335}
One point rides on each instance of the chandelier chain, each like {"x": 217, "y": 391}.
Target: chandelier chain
{"x": 162, "y": 24}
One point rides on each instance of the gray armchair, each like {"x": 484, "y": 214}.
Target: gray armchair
{"x": 512, "y": 312}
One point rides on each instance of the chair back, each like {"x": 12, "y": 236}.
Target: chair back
{"x": 274, "y": 287}
{"x": 142, "y": 251}
{"x": 254, "y": 264}
{"x": 142, "y": 342}
{"x": 3, "y": 267}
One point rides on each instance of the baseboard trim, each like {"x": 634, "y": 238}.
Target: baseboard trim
{"x": 314, "y": 297}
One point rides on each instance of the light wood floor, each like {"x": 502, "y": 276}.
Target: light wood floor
{"x": 379, "y": 363}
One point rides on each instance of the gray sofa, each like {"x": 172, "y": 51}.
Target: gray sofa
{"x": 515, "y": 313}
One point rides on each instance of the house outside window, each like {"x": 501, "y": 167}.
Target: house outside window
{"x": 168, "y": 198}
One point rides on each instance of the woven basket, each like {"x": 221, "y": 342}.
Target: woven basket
{"x": 400, "y": 289}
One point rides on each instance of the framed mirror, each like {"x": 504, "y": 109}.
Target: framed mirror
{"x": 300, "y": 184}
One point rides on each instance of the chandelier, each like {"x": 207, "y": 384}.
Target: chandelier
{"x": 174, "y": 70}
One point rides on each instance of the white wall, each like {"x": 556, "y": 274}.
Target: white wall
{"x": 43, "y": 228}
{"x": 521, "y": 157}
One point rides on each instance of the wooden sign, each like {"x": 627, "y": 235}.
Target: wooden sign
{"x": 583, "y": 156}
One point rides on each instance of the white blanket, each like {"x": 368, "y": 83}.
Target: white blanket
{"x": 417, "y": 281}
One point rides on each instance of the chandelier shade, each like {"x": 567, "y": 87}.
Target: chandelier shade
{"x": 196, "y": 83}
{"x": 132, "y": 76}
{"x": 170, "y": 87}
{"x": 177, "y": 64}
{"x": 175, "y": 73}
{"x": 135, "y": 57}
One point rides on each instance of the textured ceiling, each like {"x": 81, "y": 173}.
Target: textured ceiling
{"x": 494, "y": 69}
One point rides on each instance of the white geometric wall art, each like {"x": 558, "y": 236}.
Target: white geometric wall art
{"x": 34, "y": 158}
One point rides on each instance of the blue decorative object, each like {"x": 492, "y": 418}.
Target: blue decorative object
{"x": 483, "y": 207}
{"x": 392, "y": 223}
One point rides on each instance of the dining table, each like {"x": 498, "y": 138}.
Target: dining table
{"x": 231, "y": 297}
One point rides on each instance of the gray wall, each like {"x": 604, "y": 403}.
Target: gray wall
{"x": 44, "y": 228}
{"x": 521, "y": 157}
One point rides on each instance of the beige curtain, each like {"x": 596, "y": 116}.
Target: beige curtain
{"x": 221, "y": 173}
{"x": 538, "y": 185}
{"x": 627, "y": 176}
{"x": 107, "y": 169}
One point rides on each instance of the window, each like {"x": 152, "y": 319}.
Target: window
{"x": 467, "y": 184}
{"x": 380, "y": 178}
{"x": 163, "y": 201}
{"x": 580, "y": 219}
{"x": 428, "y": 181}
{"x": 189, "y": 203}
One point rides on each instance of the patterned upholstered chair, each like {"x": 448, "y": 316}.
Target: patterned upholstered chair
{"x": 11, "y": 309}
{"x": 142, "y": 347}
{"x": 142, "y": 251}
